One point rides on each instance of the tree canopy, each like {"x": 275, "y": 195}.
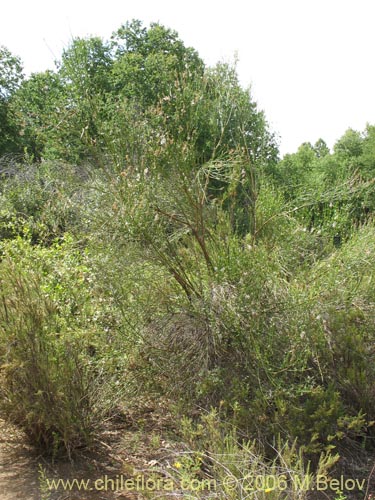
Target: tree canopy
{"x": 145, "y": 75}
{"x": 11, "y": 76}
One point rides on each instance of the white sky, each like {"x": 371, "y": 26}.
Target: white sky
{"x": 310, "y": 63}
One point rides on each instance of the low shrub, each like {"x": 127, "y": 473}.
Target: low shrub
{"x": 53, "y": 381}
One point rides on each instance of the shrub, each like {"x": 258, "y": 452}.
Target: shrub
{"x": 42, "y": 201}
{"x": 214, "y": 318}
{"x": 51, "y": 382}
{"x": 225, "y": 467}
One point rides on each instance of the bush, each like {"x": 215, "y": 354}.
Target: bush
{"x": 52, "y": 382}
{"x": 214, "y": 318}
{"x": 42, "y": 201}
{"x": 229, "y": 469}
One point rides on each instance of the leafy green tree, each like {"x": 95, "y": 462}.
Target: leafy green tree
{"x": 218, "y": 116}
{"x": 85, "y": 70}
{"x": 85, "y": 66}
{"x": 184, "y": 112}
{"x": 157, "y": 80}
{"x": 144, "y": 80}
{"x": 59, "y": 111}
{"x": 295, "y": 170}
{"x": 10, "y": 78}
{"x": 10, "y": 73}
{"x": 40, "y": 112}
{"x": 349, "y": 147}
{"x": 321, "y": 149}
{"x": 367, "y": 158}
{"x": 150, "y": 62}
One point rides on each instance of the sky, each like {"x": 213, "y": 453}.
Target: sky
{"x": 309, "y": 63}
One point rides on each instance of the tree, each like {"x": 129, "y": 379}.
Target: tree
{"x": 367, "y": 158}
{"x": 85, "y": 70}
{"x": 295, "y": 171}
{"x": 85, "y": 67}
{"x": 40, "y": 111}
{"x": 10, "y": 78}
{"x": 349, "y": 146}
{"x": 59, "y": 112}
{"x": 150, "y": 62}
{"x": 321, "y": 149}
{"x": 10, "y": 73}
{"x": 144, "y": 80}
